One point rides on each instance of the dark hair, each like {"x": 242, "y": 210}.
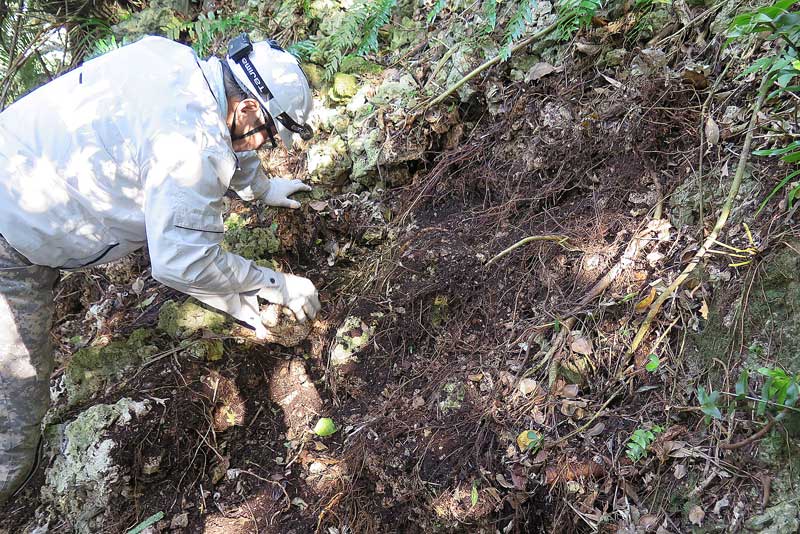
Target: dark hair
{"x": 232, "y": 87}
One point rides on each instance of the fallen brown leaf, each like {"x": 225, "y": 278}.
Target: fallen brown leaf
{"x": 573, "y": 471}
{"x": 696, "y": 515}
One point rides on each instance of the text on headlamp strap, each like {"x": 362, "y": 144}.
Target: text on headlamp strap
{"x": 254, "y": 76}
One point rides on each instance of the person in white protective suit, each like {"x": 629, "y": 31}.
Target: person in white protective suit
{"x": 134, "y": 148}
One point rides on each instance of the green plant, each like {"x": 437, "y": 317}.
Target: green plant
{"x": 574, "y": 15}
{"x": 104, "y": 45}
{"x": 209, "y": 30}
{"x": 776, "y": 23}
{"x": 708, "y": 403}
{"x": 779, "y": 388}
{"x": 356, "y": 34}
{"x": 516, "y": 26}
{"x": 435, "y": 10}
{"x": 640, "y": 441}
{"x": 490, "y": 14}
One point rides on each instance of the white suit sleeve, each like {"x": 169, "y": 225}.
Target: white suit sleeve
{"x": 183, "y": 217}
{"x": 249, "y": 180}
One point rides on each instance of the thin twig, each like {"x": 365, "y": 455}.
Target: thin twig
{"x": 559, "y": 239}
{"x": 586, "y": 425}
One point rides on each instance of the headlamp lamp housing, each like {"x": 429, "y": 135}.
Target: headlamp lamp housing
{"x": 239, "y": 47}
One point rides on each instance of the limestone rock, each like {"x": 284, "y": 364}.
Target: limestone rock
{"x": 83, "y": 476}
{"x": 351, "y": 338}
{"x": 182, "y": 320}
{"x": 328, "y": 162}
{"x": 92, "y": 369}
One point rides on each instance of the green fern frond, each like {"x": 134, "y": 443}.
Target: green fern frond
{"x": 437, "y": 8}
{"x": 356, "y": 33}
{"x": 303, "y": 50}
{"x": 516, "y": 26}
{"x": 574, "y": 15}
{"x": 490, "y": 14}
{"x": 376, "y": 20}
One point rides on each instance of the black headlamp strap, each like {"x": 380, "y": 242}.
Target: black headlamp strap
{"x": 255, "y": 77}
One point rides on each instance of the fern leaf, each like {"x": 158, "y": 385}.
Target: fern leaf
{"x": 303, "y": 50}
{"x": 375, "y": 21}
{"x": 490, "y": 14}
{"x": 516, "y": 26}
{"x": 437, "y": 8}
{"x": 574, "y": 15}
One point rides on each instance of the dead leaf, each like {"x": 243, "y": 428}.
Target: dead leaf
{"x": 645, "y": 303}
{"x": 527, "y": 386}
{"x": 477, "y": 377}
{"x": 712, "y": 132}
{"x": 519, "y": 477}
{"x": 318, "y": 205}
{"x": 503, "y": 482}
{"x": 588, "y": 48}
{"x": 679, "y": 471}
{"x": 596, "y": 430}
{"x": 138, "y": 286}
{"x": 538, "y": 71}
{"x": 574, "y": 471}
{"x": 581, "y": 345}
{"x": 569, "y": 391}
{"x": 648, "y": 521}
{"x": 704, "y": 310}
{"x": 538, "y": 416}
{"x": 722, "y": 503}
{"x": 573, "y": 408}
{"x": 696, "y": 515}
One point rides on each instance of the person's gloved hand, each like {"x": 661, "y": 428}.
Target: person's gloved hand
{"x": 280, "y": 189}
{"x": 296, "y": 293}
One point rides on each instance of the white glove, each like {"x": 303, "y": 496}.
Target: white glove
{"x": 279, "y": 191}
{"x": 296, "y": 293}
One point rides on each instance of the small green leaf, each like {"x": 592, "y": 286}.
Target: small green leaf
{"x": 653, "y": 363}
{"x": 325, "y": 427}
{"x": 473, "y": 497}
{"x": 743, "y": 384}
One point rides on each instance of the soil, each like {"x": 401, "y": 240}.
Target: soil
{"x": 429, "y": 415}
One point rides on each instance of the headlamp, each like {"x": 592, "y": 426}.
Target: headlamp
{"x": 239, "y": 49}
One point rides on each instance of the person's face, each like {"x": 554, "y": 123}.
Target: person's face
{"x": 249, "y": 118}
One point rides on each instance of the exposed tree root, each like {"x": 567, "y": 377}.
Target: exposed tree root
{"x": 559, "y": 239}
{"x": 655, "y": 307}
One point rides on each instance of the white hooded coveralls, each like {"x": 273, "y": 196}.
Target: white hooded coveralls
{"x": 131, "y": 149}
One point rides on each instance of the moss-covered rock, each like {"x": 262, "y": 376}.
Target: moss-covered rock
{"x": 365, "y": 150}
{"x": 399, "y": 91}
{"x": 328, "y": 162}
{"x": 452, "y": 396}
{"x": 359, "y": 65}
{"x": 407, "y": 32}
{"x": 351, "y": 338}
{"x": 344, "y": 87}
{"x": 180, "y": 321}
{"x": 256, "y": 243}
{"x": 92, "y": 369}
{"x": 210, "y": 350}
{"x": 83, "y": 477}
